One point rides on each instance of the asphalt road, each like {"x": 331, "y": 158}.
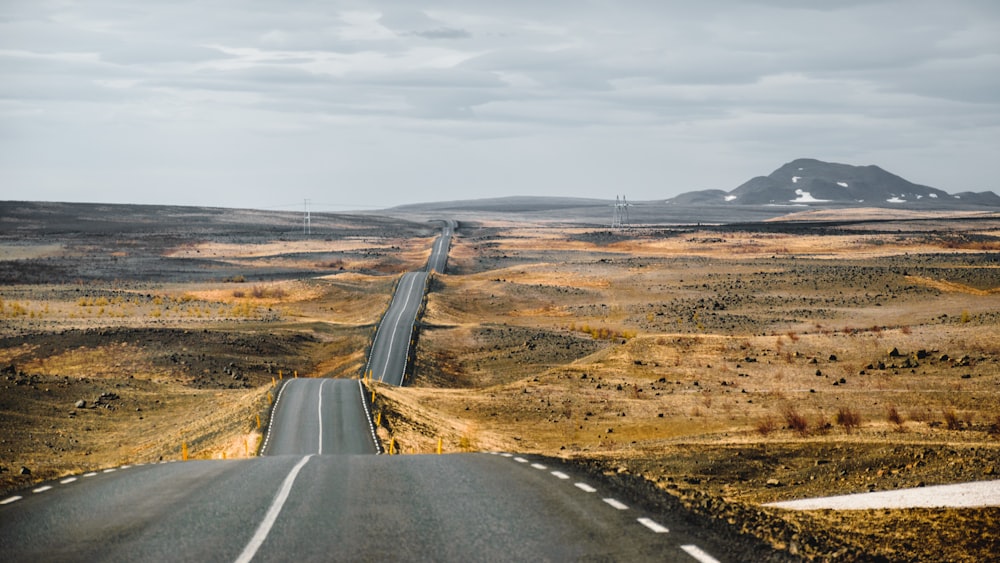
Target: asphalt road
{"x": 438, "y": 260}
{"x": 320, "y": 416}
{"x": 468, "y": 507}
{"x": 390, "y": 349}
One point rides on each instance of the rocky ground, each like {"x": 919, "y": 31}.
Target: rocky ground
{"x": 719, "y": 368}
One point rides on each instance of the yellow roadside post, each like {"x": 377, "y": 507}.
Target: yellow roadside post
{"x": 296, "y": 374}
{"x": 439, "y": 446}
{"x": 280, "y": 376}
{"x": 184, "y": 451}
{"x": 258, "y": 421}
{"x": 270, "y": 399}
{"x": 273, "y": 382}
{"x": 378, "y": 418}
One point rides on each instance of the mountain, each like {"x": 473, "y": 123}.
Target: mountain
{"x": 808, "y": 181}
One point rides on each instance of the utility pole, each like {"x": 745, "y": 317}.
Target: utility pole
{"x": 620, "y": 219}
{"x": 307, "y": 220}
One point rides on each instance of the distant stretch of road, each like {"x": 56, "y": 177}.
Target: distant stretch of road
{"x": 316, "y": 494}
{"x": 438, "y": 260}
{"x": 320, "y": 416}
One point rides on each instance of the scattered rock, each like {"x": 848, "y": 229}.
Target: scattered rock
{"x": 772, "y": 482}
{"x": 25, "y": 471}
{"x": 81, "y": 404}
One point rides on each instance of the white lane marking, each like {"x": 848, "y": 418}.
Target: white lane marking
{"x": 585, "y": 487}
{"x": 42, "y": 489}
{"x": 697, "y": 553}
{"x": 538, "y": 466}
{"x": 371, "y": 421}
{"x": 507, "y": 455}
{"x": 125, "y": 467}
{"x": 272, "y": 513}
{"x": 67, "y": 480}
{"x": 520, "y": 460}
{"x": 270, "y": 420}
{"x": 110, "y": 470}
{"x": 9, "y": 500}
{"x": 560, "y": 475}
{"x": 319, "y": 416}
{"x": 616, "y": 503}
{"x": 91, "y": 474}
{"x": 653, "y": 525}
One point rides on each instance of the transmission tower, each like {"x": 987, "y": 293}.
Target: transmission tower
{"x": 307, "y": 220}
{"x": 620, "y": 219}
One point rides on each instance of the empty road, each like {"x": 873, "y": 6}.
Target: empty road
{"x": 316, "y": 494}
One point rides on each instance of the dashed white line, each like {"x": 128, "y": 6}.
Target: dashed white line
{"x": 538, "y": 466}
{"x": 699, "y": 554}
{"x": 585, "y": 487}
{"x": 67, "y": 480}
{"x": 616, "y": 503}
{"x": 110, "y": 470}
{"x": 125, "y": 467}
{"x": 91, "y": 474}
{"x": 507, "y": 455}
{"x": 520, "y": 460}
{"x": 653, "y": 525}
{"x": 42, "y": 489}
{"x": 272, "y": 513}
{"x": 9, "y": 500}
{"x": 560, "y": 475}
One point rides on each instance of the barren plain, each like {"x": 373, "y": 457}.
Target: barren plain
{"x": 718, "y": 366}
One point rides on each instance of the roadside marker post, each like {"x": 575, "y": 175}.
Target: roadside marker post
{"x": 258, "y": 421}
{"x": 280, "y": 376}
{"x": 184, "y": 451}
{"x": 296, "y": 374}
{"x": 439, "y": 446}
{"x": 378, "y": 418}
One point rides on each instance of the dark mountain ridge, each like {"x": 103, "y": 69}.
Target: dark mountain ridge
{"x": 812, "y": 182}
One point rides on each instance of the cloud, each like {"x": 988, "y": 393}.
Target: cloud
{"x": 565, "y": 88}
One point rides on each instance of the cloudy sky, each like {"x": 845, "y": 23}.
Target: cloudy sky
{"x": 253, "y": 103}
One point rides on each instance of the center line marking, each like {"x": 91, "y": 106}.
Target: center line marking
{"x": 585, "y": 487}
{"x": 560, "y": 475}
{"x": 653, "y": 525}
{"x": 67, "y": 480}
{"x": 111, "y": 470}
{"x": 616, "y": 503}
{"x": 272, "y": 513}
{"x": 507, "y": 455}
{"x": 538, "y": 466}
{"x": 9, "y": 500}
{"x": 520, "y": 460}
{"x": 91, "y": 474}
{"x": 699, "y": 554}
{"x": 42, "y": 489}
{"x": 319, "y": 415}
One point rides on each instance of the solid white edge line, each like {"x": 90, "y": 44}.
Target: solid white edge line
{"x": 699, "y": 554}
{"x": 41, "y": 489}
{"x": 653, "y": 525}
{"x": 371, "y": 421}
{"x": 272, "y": 513}
{"x": 67, "y": 480}
{"x": 560, "y": 475}
{"x": 9, "y": 500}
{"x": 538, "y": 466}
{"x": 616, "y": 503}
{"x": 585, "y": 487}
{"x": 319, "y": 418}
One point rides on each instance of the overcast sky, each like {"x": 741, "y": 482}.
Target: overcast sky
{"x": 253, "y": 103}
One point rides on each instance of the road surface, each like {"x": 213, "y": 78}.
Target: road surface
{"x": 320, "y": 416}
{"x": 467, "y": 507}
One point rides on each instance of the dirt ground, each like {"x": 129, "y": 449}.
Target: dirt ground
{"x": 724, "y": 366}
